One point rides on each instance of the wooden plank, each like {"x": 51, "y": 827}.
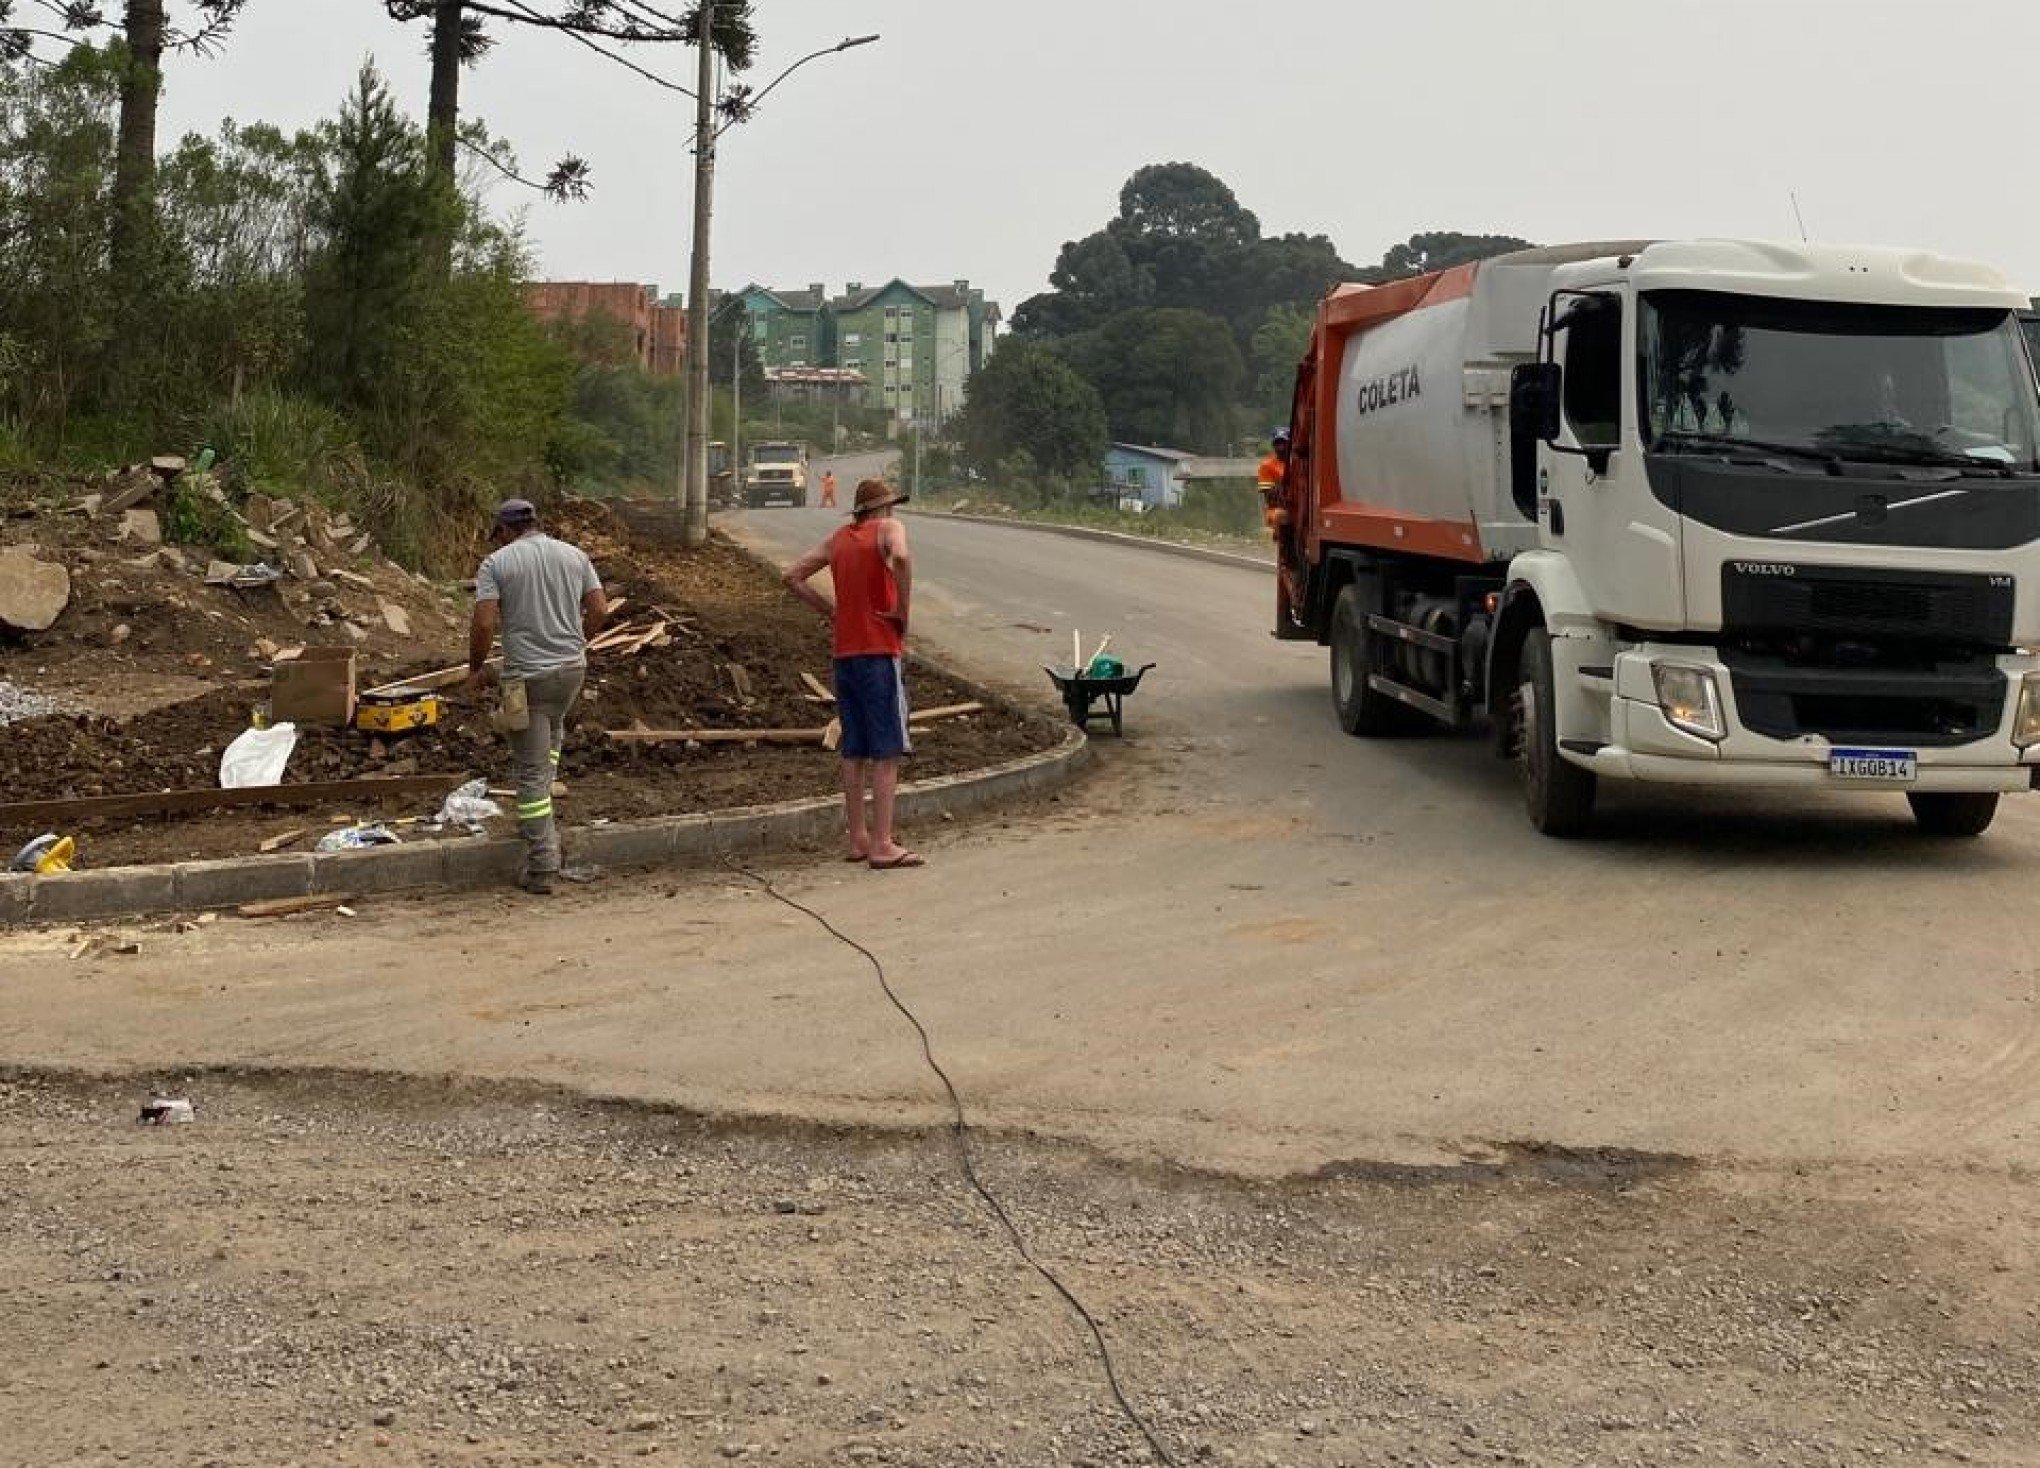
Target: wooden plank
{"x": 46, "y": 813}
{"x": 284, "y": 838}
{"x": 818, "y": 688}
{"x": 427, "y": 682}
{"x": 285, "y": 906}
{"x": 947, "y": 711}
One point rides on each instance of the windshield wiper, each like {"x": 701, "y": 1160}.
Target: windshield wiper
{"x": 1921, "y": 452}
{"x": 1729, "y": 443}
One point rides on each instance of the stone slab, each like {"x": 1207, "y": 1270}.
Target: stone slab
{"x": 381, "y": 868}
{"x": 115, "y": 892}
{"x": 202, "y": 885}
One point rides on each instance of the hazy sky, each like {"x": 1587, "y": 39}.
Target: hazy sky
{"x": 978, "y": 135}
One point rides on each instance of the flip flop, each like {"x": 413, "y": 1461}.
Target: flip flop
{"x": 904, "y": 859}
{"x": 857, "y": 856}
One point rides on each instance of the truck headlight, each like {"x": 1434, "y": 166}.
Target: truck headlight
{"x": 1690, "y": 700}
{"x": 2026, "y": 723}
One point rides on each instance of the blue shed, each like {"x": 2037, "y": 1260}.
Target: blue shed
{"x": 1138, "y": 472}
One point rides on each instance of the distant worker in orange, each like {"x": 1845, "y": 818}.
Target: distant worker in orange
{"x": 828, "y": 489}
{"x": 1268, "y": 479}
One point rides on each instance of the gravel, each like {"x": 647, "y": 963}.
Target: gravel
{"x": 349, "y": 1270}
{"x": 17, "y": 702}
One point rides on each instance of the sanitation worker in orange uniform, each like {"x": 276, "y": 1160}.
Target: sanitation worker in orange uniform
{"x": 829, "y": 489}
{"x": 1268, "y": 479}
{"x": 873, "y": 572}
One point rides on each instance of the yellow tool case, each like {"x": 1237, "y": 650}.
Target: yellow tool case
{"x": 396, "y": 713}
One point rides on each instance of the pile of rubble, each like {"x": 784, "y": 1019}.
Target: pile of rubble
{"x": 116, "y": 616}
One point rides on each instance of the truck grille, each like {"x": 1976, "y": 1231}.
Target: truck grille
{"x": 1771, "y": 598}
{"x": 1938, "y": 706}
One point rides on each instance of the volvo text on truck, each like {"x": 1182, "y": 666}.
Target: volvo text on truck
{"x": 1703, "y": 512}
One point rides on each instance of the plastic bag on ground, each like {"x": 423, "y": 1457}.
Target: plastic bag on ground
{"x": 356, "y": 838}
{"x": 257, "y": 757}
{"x": 468, "y": 806}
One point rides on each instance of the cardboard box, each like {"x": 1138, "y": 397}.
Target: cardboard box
{"x": 315, "y": 687}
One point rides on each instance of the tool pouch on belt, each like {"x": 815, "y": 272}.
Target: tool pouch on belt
{"x": 513, "y": 716}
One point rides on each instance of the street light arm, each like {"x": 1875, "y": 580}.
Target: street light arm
{"x": 751, "y": 103}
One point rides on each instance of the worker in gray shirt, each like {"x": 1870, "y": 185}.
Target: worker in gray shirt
{"x": 544, "y": 598}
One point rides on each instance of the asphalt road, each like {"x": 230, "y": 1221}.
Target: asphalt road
{"x": 1246, "y": 941}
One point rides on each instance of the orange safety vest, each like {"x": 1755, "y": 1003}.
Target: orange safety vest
{"x": 1268, "y": 479}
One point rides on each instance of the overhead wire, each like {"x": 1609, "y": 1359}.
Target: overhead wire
{"x": 960, "y": 1132}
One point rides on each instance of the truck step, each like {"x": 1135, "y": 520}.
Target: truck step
{"x": 1437, "y": 708}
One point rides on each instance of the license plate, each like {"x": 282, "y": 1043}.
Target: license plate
{"x": 1878, "y": 766}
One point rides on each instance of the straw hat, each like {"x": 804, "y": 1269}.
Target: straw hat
{"x": 876, "y": 494}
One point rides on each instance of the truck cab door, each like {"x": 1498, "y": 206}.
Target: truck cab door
{"x": 1594, "y": 500}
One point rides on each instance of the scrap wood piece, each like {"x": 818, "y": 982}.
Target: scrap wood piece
{"x": 431, "y": 682}
{"x": 284, "y": 838}
{"x": 832, "y": 737}
{"x": 285, "y": 906}
{"x": 946, "y": 711}
{"x": 621, "y": 639}
{"x": 818, "y": 688}
{"x": 45, "y": 813}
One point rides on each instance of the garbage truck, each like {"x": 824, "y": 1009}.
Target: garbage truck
{"x": 1694, "y": 512}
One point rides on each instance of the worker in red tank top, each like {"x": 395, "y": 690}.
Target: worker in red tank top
{"x": 873, "y": 574}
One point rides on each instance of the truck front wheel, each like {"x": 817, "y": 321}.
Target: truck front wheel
{"x": 1363, "y": 709}
{"x": 1954, "y": 813}
{"x": 1558, "y": 795}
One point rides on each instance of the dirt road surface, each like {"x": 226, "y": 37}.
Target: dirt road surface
{"x": 340, "y": 1271}
{"x": 1251, "y": 945}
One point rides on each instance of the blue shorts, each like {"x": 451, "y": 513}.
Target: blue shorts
{"x": 871, "y": 700}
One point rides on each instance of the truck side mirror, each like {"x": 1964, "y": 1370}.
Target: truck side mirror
{"x": 1536, "y": 392}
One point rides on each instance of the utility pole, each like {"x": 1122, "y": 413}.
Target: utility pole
{"x": 694, "y": 468}
{"x": 694, "y": 464}
{"x": 739, "y": 321}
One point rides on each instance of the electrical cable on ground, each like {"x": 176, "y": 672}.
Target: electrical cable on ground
{"x": 960, "y": 1130}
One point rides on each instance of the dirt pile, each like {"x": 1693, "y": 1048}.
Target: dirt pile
{"x": 148, "y": 621}
{"x": 738, "y": 647}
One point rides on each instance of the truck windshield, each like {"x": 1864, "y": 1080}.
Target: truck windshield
{"x": 776, "y": 453}
{"x": 1905, "y": 384}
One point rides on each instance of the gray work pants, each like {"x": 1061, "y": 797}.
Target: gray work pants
{"x": 535, "y": 760}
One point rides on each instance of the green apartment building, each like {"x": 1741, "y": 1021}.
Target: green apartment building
{"x": 917, "y": 345}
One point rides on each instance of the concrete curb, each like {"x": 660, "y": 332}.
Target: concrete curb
{"x": 1114, "y": 537}
{"x": 194, "y": 886}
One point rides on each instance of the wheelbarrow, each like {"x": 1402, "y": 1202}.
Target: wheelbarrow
{"x": 1080, "y": 691}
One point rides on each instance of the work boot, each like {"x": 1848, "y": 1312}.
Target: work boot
{"x": 538, "y": 884}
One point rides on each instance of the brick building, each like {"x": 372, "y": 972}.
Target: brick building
{"x": 655, "y": 336}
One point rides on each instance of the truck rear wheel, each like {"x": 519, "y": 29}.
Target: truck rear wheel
{"x": 1954, "y": 813}
{"x": 1558, "y": 795}
{"x": 1363, "y": 710}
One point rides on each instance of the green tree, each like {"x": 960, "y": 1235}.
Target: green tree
{"x": 462, "y": 32}
{"x": 374, "y": 206}
{"x": 730, "y": 342}
{"x": 1442, "y": 249}
{"x": 1027, "y": 400}
{"x": 1167, "y": 376}
{"x": 1279, "y": 344}
{"x": 56, "y": 169}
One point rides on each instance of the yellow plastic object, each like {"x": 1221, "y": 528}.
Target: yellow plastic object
{"x": 46, "y": 854}
{"x": 397, "y": 716}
